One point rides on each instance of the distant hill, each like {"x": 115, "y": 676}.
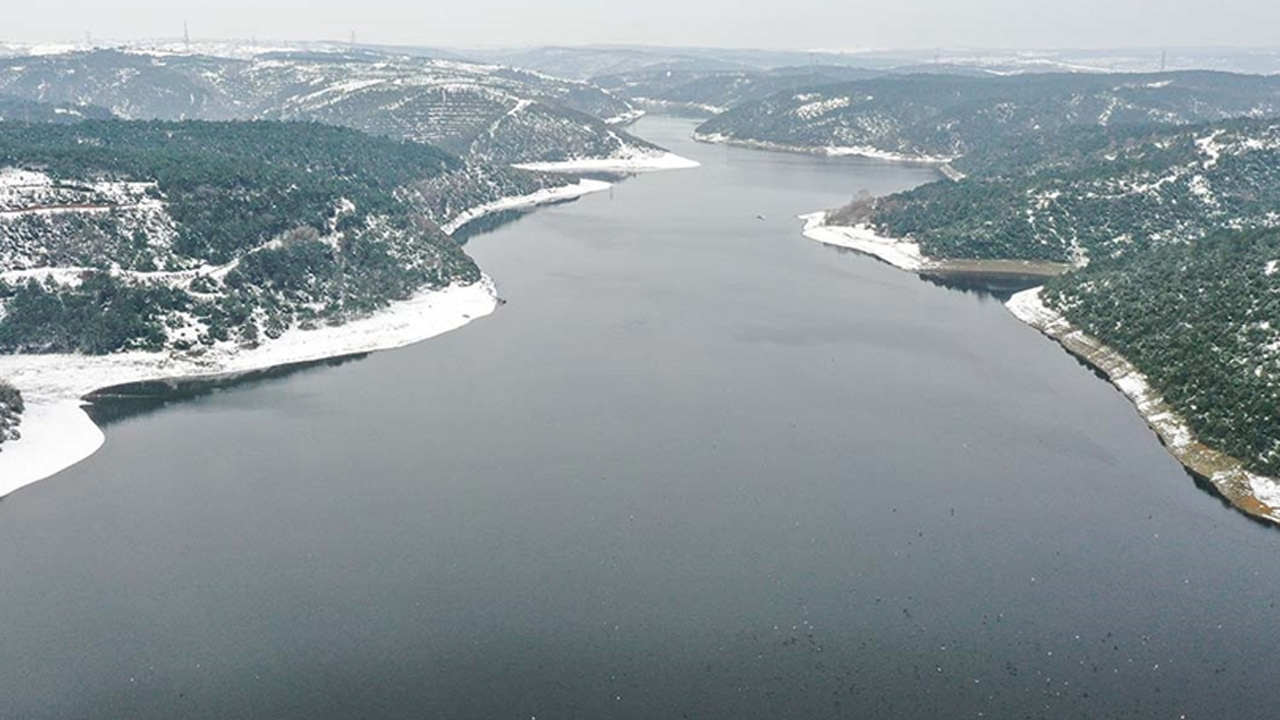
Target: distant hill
{"x": 490, "y": 113}
{"x": 717, "y": 91}
{"x": 14, "y": 109}
{"x": 936, "y": 116}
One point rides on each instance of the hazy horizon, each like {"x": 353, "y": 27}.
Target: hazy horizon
{"x": 802, "y": 25}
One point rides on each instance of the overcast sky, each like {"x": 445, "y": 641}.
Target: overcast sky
{"x": 798, "y": 24}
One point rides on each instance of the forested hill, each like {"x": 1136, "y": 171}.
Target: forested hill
{"x": 1098, "y": 194}
{"x": 948, "y": 116}
{"x": 717, "y": 90}
{"x": 1201, "y": 319}
{"x": 1176, "y": 235}
{"x": 152, "y": 235}
{"x": 487, "y": 113}
{"x": 13, "y": 109}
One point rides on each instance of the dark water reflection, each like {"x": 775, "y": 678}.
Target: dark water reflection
{"x": 121, "y": 402}
{"x": 487, "y": 224}
{"x": 697, "y": 467}
{"x": 1000, "y": 287}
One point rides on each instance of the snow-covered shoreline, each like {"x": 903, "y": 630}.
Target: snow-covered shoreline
{"x": 907, "y": 255}
{"x": 625, "y": 118}
{"x": 901, "y": 254}
{"x": 56, "y": 432}
{"x": 541, "y": 197}
{"x": 1254, "y": 494}
{"x": 865, "y": 151}
{"x": 640, "y": 162}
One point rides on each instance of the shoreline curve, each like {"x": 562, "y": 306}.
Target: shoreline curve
{"x": 1253, "y": 494}
{"x": 1256, "y": 495}
{"x": 863, "y": 151}
{"x": 57, "y": 433}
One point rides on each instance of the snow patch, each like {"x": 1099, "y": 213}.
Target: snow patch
{"x": 811, "y": 110}
{"x": 625, "y": 118}
{"x": 870, "y": 152}
{"x": 1200, "y": 187}
{"x": 1265, "y": 489}
{"x": 541, "y": 197}
{"x": 1209, "y": 147}
{"x": 828, "y": 150}
{"x": 899, "y": 253}
{"x": 639, "y": 162}
{"x": 56, "y": 434}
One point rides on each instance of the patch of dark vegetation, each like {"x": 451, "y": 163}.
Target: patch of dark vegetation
{"x": 11, "y": 409}
{"x": 121, "y": 402}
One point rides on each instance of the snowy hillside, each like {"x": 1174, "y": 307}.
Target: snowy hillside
{"x": 1173, "y": 239}
{"x": 939, "y": 117}
{"x": 488, "y": 112}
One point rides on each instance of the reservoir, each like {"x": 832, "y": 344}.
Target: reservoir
{"x": 696, "y": 467}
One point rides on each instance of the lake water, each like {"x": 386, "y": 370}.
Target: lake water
{"x": 697, "y": 467}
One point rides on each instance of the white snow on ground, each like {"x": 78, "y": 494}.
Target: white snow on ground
{"x": 541, "y": 197}
{"x": 869, "y": 152}
{"x": 639, "y": 162}
{"x": 830, "y": 150}
{"x": 1200, "y": 187}
{"x": 703, "y": 107}
{"x": 57, "y": 434}
{"x": 1225, "y": 472}
{"x": 1272, "y": 267}
{"x": 811, "y": 110}
{"x": 61, "y": 275}
{"x": 1209, "y": 148}
{"x": 625, "y": 118}
{"x": 27, "y": 190}
{"x": 899, "y": 253}
{"x": 12, "y": 177}
{"x": 13, "y": 49}
{"x": 1265, "y": 489}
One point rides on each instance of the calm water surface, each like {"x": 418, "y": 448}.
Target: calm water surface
{"x": 697, "y": 467}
